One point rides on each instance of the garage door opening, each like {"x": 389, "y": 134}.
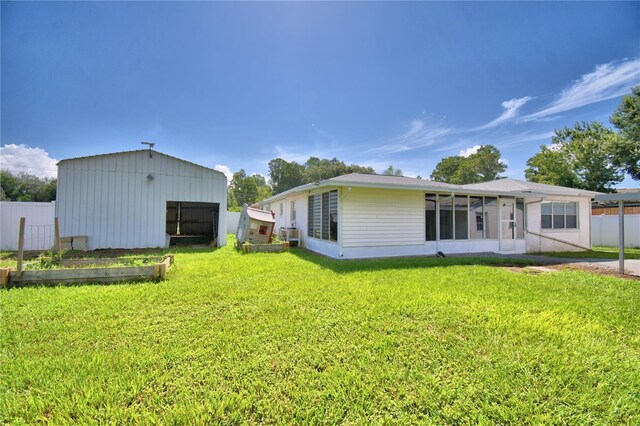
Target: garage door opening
{"x": 190, "y": 223}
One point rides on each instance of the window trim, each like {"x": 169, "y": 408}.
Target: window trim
{"x": 320, "y": 199}
{"x": 564, "y": 228}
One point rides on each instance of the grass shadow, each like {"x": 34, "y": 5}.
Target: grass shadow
{"x": 345, "y": 266}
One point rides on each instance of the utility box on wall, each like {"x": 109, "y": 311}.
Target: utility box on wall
{"x": 255, "y": 226}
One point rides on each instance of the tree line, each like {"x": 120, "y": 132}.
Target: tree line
{"x": 26, "y": 187}
{"x": 588, "y": 155}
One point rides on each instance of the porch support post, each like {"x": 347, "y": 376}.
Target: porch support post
{"x": 621, "y": 236}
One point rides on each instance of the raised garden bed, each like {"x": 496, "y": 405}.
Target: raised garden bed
{"x": 264, "y": 248}
{"x": 74, "y": 272}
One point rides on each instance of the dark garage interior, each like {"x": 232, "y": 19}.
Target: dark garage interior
{"x": 191, "y": 223}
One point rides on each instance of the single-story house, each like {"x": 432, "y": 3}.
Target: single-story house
{"x": 359, "y": 216}
{"x": 140, "y": 199}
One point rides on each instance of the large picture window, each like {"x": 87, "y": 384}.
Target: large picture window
{"x": 559, "y": 215}
{"x": 323, "y": 216}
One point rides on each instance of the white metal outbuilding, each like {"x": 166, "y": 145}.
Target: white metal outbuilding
{"x": 140, "y": 199}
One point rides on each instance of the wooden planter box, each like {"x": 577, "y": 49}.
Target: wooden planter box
{"x": 158, "y": 271}
{"x": 265, "y": 248}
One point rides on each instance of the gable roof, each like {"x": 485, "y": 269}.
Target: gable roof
{"x": 136, "y": 151}
{"x": 508, "y": 187}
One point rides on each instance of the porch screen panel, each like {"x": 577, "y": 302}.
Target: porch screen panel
{"x": 519, "y": 218}
{"x": 430, "y": 217}
{"x": 461, "y": 218}
{"x": 491, "y": 218}
{"x": 476, "y": 218}
{"x": 446, "y": 218}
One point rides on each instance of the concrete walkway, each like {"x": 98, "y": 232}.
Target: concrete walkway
{"x": 631, "y": 266}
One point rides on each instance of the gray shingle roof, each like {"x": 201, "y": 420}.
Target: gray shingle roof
{"x": 509, "y": 187}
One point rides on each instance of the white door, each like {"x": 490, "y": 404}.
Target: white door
{"x": 507, "y": 224}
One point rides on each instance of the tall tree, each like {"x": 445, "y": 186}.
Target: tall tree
{"x": 626, "y": 148}
{"x": 245, "y": 189}
{"x": 447, "y": 168}
{"x": 285, "y": 175}
{"x": 482, "y": 166}
{"x": 392, "y": 171}
{"x": 579, "y": 157}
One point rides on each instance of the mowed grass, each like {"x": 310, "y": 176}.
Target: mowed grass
{"x": 297, "y": 338}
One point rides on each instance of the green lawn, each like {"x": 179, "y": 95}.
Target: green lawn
{"x": 297, "y": 338}
{"x": 598, "y": 253}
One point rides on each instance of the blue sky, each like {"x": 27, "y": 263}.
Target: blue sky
{"x": 237, "y": 84}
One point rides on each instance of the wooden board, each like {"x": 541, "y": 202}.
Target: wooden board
{"x": 78, "y": 275}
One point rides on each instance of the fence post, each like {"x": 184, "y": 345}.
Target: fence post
{"x": 20, "y": 246}
{"x": 56, "y": 229}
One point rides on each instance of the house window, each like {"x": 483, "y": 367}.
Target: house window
{"x": 559, "y": 215}
{"x": 293, "y": 212}
{"x": 281, "y": 208}
{"x": 263, "y": 230}
{"x": 323, "y": 216}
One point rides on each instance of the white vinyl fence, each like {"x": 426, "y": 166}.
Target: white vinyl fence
{"x": 604, "y": 230}
{"x": 232, "y": 222}
{"x": 38, "y": 231}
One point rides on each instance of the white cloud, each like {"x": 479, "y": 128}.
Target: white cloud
{"x": 420, "y": 134}
{"x": 607, "y": 81}
{"x": 470, "y": 151}
{"x": 511, "y": 108}
{"x": 224, "y": 169}
{"x": 24, "y": 159}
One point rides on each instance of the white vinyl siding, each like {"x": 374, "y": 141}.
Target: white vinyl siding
{"x": 381, "y": 217}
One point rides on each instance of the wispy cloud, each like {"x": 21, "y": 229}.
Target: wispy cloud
{"x": 511, "y": 108}
{"x": 607, "y": 81}
{"x": 24, "y": 159}
{"x": 419, "y": 135}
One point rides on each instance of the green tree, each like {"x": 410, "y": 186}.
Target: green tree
{"x": 551, "y": 166}
{"x": 285, "y": 175}
{"x": 579, "y": 157}
{"x": 26, "y": 187}
{"x": 391, "y": 171}
{"x": 447, "y": 168}
{"x": 244, "y": 188}
{"x": 626, "y": 148}
{"x": 483, "y": 166}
